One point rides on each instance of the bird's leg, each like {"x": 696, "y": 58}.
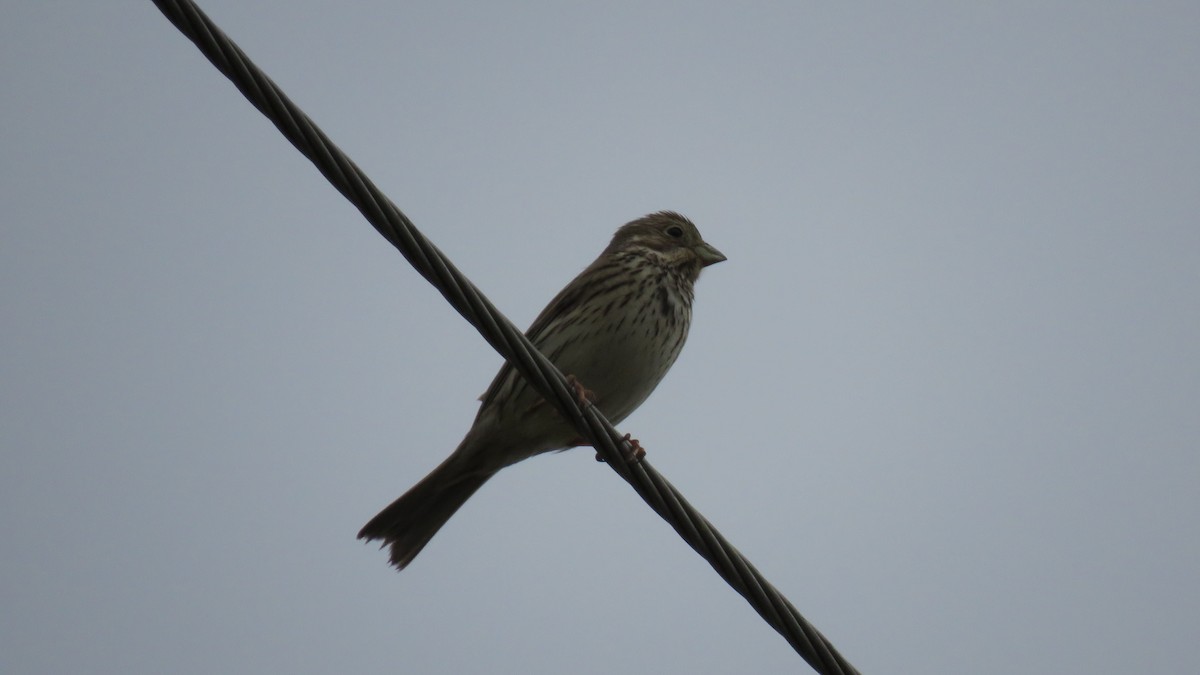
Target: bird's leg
{"x": 583, "y": 396}
{"x": 586, "y": 398}
{"x": 635, "y": 454}
{"x": 636, "y": 451}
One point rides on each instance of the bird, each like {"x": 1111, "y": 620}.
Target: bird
{"x": 615, "y": 330}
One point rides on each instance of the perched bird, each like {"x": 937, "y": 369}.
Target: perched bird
{"x": 615, "y": 329}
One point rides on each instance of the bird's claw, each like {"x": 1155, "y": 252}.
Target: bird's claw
{"x": 583, "y": 396}
{"x": 635, "y": 454}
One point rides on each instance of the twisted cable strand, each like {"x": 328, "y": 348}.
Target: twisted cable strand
{"x": 468, "y": 301}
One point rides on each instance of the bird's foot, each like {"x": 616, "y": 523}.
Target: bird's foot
{"x": 635, "y": 454}
{"x": 583, "y": 396}
{"x": 636, "y": 451}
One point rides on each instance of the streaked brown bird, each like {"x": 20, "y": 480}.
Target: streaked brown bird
{"x": 616, "y": 328}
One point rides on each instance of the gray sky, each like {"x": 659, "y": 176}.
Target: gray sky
{"x": 943, "y": 394}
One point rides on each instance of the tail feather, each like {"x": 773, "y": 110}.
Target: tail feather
{"x": 408, "y": 523}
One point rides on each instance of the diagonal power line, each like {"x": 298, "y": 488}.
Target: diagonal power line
{"x": 694, "y": 528}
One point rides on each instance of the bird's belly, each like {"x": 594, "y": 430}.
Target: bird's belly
{"x": 624, "y": 361}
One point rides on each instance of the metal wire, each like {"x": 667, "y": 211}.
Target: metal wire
{"x": 503, "y": 336}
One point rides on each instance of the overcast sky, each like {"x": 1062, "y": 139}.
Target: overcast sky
{"x": 945, "y": 393}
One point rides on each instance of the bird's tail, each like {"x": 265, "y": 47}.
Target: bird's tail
{"x": 408, "y": 523}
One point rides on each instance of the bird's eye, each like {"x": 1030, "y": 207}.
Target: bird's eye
{"x": 675, "y": 231}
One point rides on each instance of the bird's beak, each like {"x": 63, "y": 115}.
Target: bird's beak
{"x": 708, "y": 255}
